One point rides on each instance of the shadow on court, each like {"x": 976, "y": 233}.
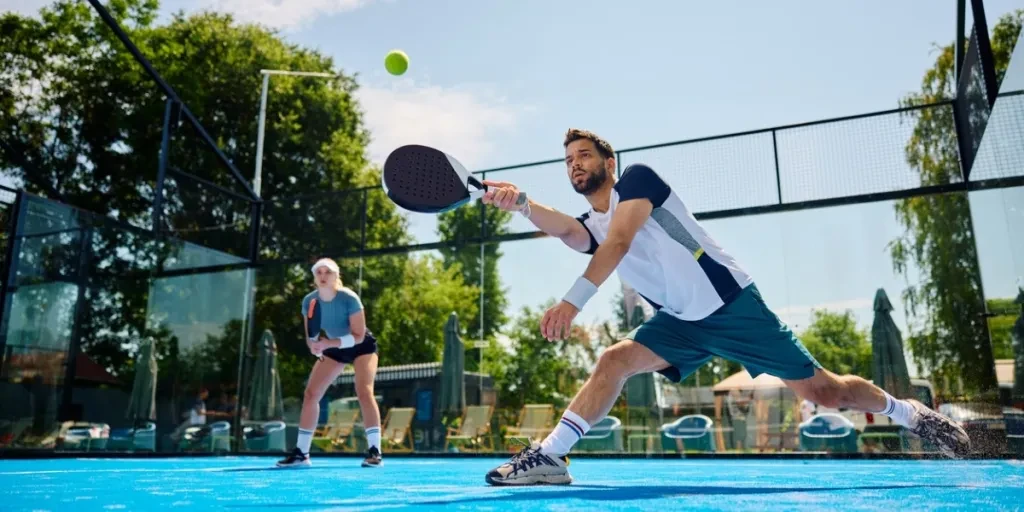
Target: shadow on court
{"x": 614, "y": 493}
{"x": 649, "y": 492}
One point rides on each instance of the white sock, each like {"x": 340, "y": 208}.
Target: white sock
{"x": 900, "y": 411}
{"x": 568, "y": 431}
{"x": 373, "y": 437}
{"x": 305, "y": 438}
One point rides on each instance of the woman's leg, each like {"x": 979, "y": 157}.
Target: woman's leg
{"x": 366, "y": 371}
{"x": 324, "y": 372}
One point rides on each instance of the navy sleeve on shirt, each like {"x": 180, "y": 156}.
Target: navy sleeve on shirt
{"x": 641, "y": 182}
{"x": 593, "y": 241}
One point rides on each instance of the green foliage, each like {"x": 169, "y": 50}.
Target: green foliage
{"x": 530, "y": 369}
{"x": 465, "y": 223}
{"x": 836, "y": 342}
{"x": 81, "y": 123}
{"x": 410, "y": 319}
{"x": 950, "y": 338}
{"x": 1000, "y": 325}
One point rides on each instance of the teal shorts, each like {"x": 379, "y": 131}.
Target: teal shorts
{"x": 744, "y": 331}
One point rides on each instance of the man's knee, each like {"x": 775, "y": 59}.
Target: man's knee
{"x": 825, "y": 389}
{"x": 619, "y": 361}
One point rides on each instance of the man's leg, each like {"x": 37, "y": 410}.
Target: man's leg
{"x": 747, "y": 331}
{"x": 853, "y": 392}
{"x": 597, "y": 396}
{"x": 545, "y": 463}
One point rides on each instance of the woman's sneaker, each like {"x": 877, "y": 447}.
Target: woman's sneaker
{"x": 531, "y": 467}
{"x": 297, "y": 459}
{"x": 373, "y": 458}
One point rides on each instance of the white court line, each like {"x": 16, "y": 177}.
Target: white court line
{"x": 142, "y": 470}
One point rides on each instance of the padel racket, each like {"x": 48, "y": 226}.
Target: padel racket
{"x": 426, "y": 180}
{"x": 313, "y": 322}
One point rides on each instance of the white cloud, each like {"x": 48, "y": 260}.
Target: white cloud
{"x": 23, "y": 7}
{"x": 283, "y": 14}
{"x": 462, "y": 121}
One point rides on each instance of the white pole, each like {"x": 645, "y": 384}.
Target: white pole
{"x": 257, "y": 185}
{"x": 250, "y": 292}
{"x": 480, "y": 364}
{"x": 257, "y": 180}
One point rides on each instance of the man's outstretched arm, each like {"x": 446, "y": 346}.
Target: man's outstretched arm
{"x": 549, "y": 220}
{"x": 629, "y": 216}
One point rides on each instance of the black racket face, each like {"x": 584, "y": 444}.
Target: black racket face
{"x": 421, "y": 179}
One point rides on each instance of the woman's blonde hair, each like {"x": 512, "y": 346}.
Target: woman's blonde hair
{"x": 333, "y": 267}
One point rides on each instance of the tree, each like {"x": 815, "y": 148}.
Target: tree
{"x": 951, "y": 340}
{"x": 465, "y": 223}
{"x": 532, "y": 369}
{"x": 1003, "y": 313}
{"x": 410, "y": 319}
{"x": 836, "y": 342}
{"x": 81, "y": 123}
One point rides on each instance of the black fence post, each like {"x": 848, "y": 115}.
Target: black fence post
{"x": 68, "y": 410}
{"x": 362, "y": 222}
{"x": 10, "y": 270}
{"x": 255, "y": 230}
{"x": 161, "y": 173}
{"x": 958, "y": 50}
{"x": 778, "y": 174}
{"x": 988, "y": 66}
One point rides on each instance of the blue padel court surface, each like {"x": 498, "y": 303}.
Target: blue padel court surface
{"x": 250, "y": 483}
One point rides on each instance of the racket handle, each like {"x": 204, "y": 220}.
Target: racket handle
{"x": 477, "y": 194}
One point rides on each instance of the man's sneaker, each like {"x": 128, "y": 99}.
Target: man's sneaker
{"x": 531, "y": 467}
{"x": 373, "y": 459}
{"x": 951, "y": 439}
{"x": 297, "y": 459}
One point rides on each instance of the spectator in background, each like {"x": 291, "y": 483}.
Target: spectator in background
{"x": 195, "y": 415}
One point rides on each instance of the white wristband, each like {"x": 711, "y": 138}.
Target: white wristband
{"x": 580, "y": 293}
{"x": 348, "y": 341}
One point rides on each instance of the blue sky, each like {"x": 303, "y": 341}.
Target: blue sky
{"x": 498, "y": 83}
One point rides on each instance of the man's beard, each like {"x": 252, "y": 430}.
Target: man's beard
{"x": 592, "y": 183}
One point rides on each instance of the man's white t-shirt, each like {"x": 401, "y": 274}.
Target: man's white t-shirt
{"x": 672, "y": 263}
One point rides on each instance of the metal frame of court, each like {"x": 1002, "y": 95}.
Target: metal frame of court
{"x": 979, "y": 52}
{"x": 978, "y": 56}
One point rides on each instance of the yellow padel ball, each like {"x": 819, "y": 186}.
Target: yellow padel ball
{"x": 396, "y": 62}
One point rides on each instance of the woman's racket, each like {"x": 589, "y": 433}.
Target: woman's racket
{"x": 313, "y": 322}
{"x": 426, "y": 180}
